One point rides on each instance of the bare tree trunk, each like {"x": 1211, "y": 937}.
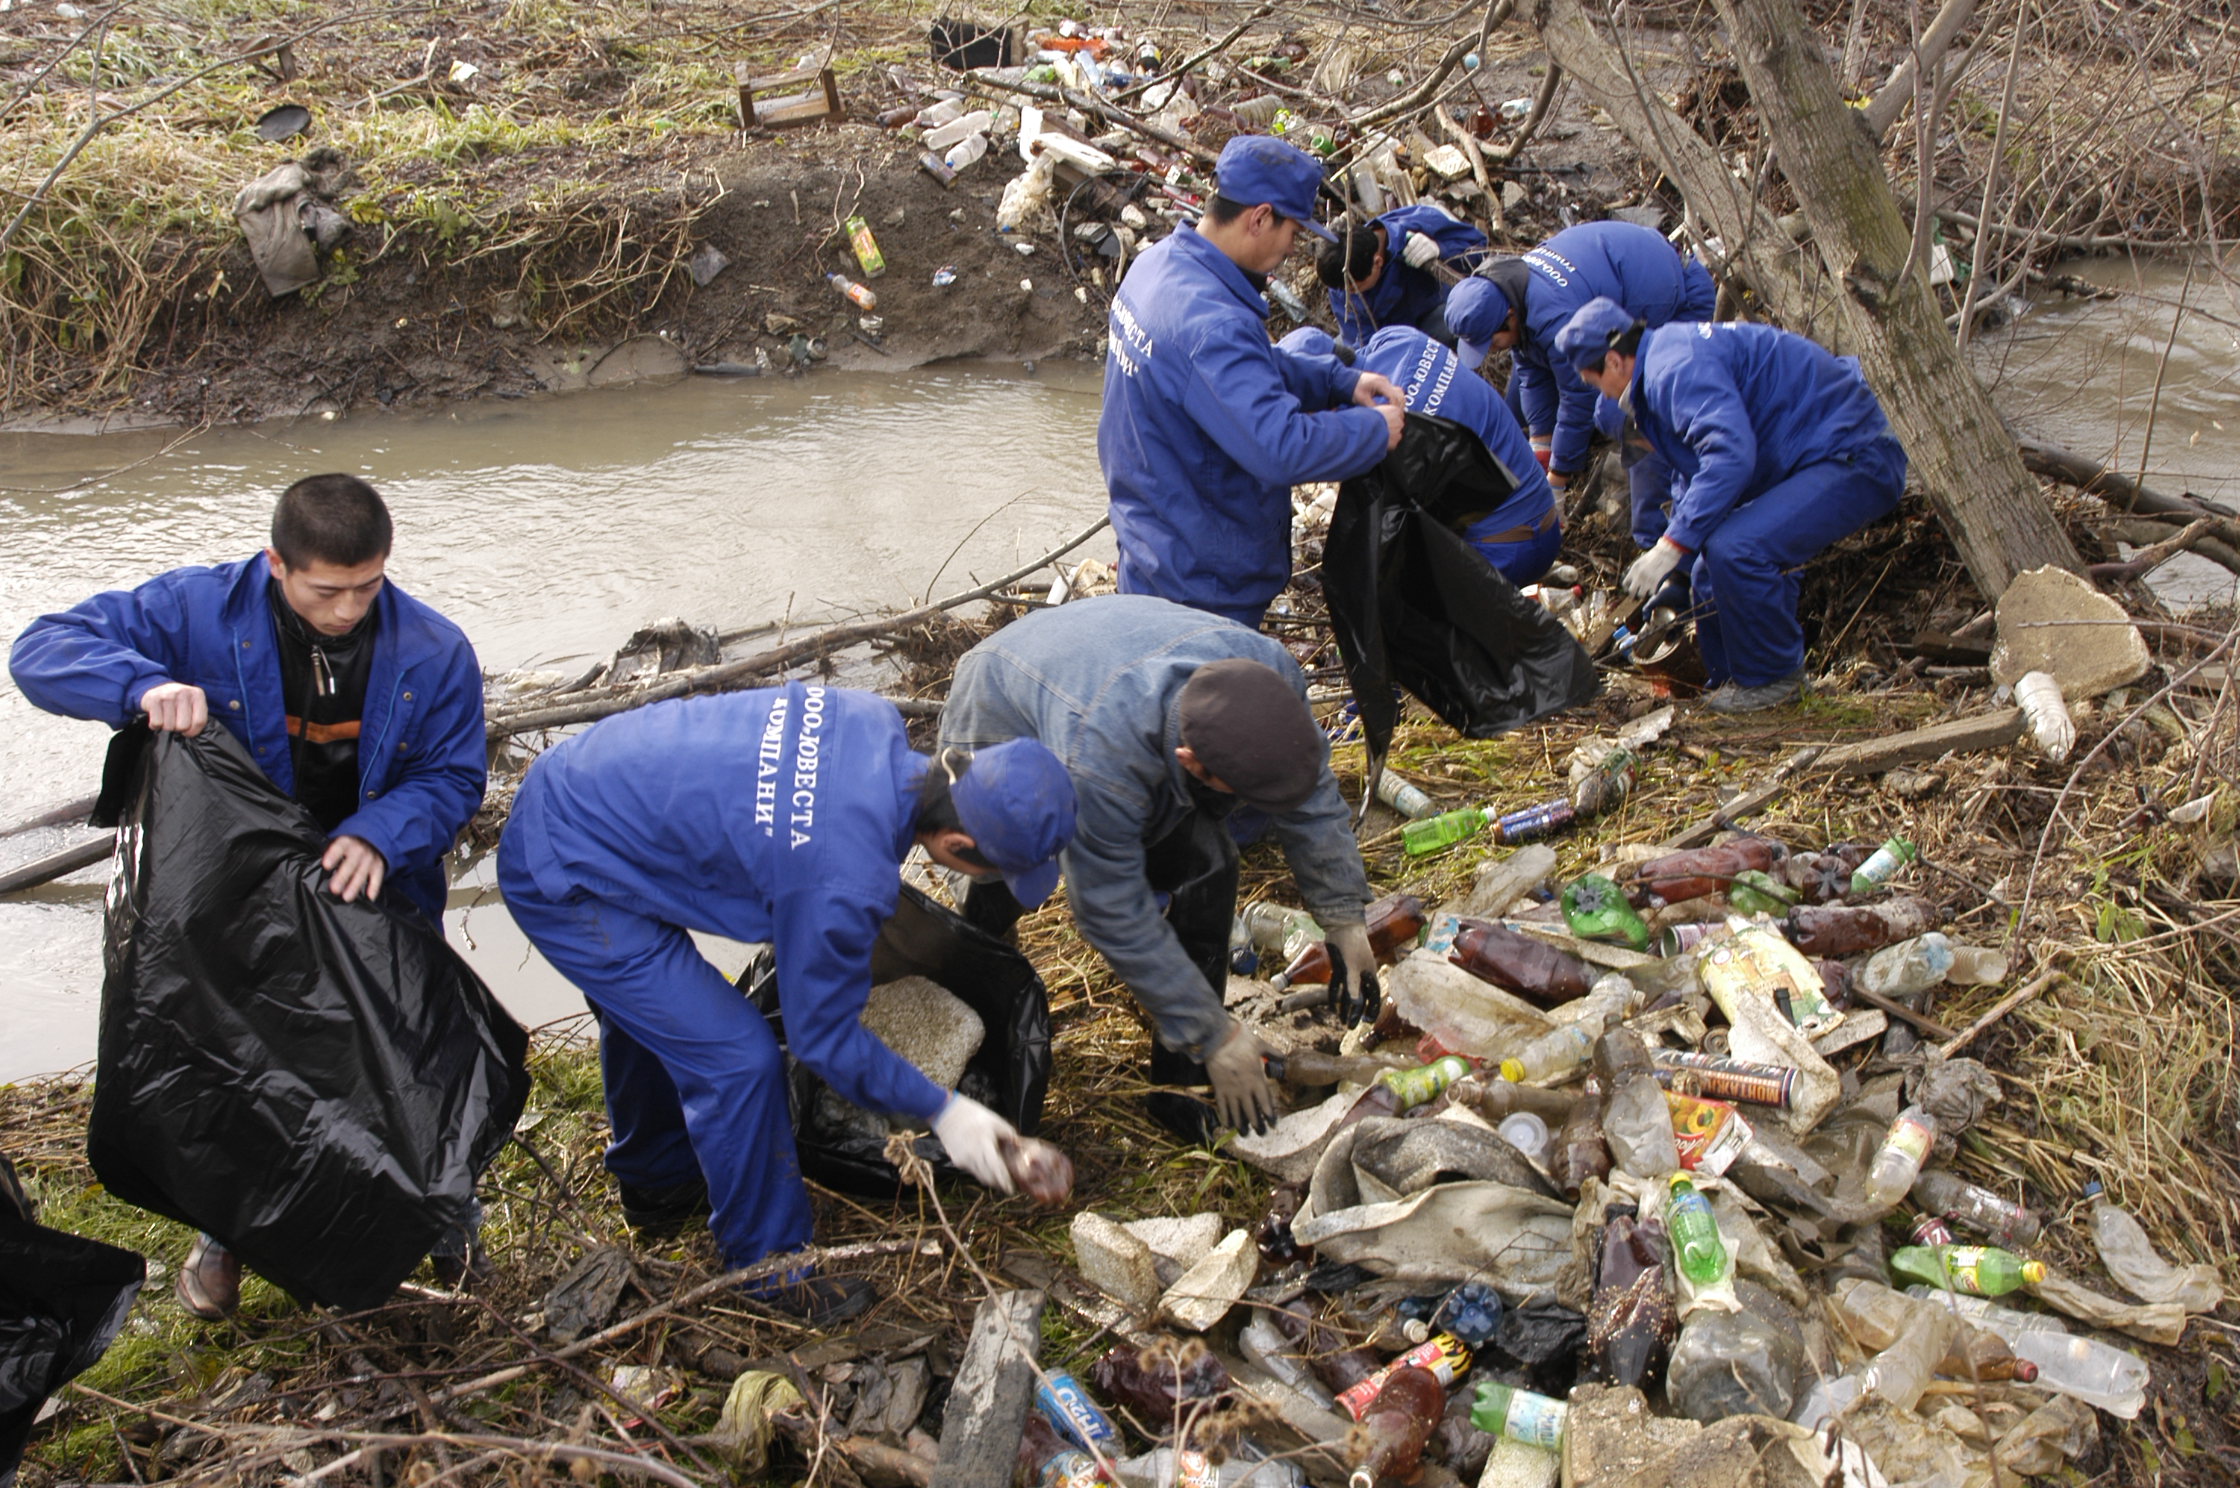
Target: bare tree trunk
{"x": 1880, "y": 309}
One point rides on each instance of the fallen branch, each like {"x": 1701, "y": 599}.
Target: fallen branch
{"x": 2119, "y": 491}
{"x": 2152, "y": 537}
{"x": 1998, "y": 1010}
{"x": 1197, "y": 58}
{"x": 604, "y": 702}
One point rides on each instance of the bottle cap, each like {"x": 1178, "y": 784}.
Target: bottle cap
{"x": 2092, "y": 1188}
{"x": 1512, "y": 1071}
{"x": 2033, "y": 1272}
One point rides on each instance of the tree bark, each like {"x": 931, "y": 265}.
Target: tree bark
{"x": 1855, "y": 298}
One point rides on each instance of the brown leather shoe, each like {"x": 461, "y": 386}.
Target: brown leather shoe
{"x": 209, "y": 1284}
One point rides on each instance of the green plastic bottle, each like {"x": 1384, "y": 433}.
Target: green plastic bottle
{"x": 1757, "y": 892}
{"x": 1596, "y": 909}
{"x": 1520, "y": 1415}
{"x": 1436, "y": 833}
{"x": 1883, "y": 866}
{"x": 1695, "y": 1233}
{"x": 1425, "y": 1081}
{"x": 1978, "y": 1270}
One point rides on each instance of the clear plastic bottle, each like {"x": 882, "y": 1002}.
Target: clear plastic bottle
{"x": 2096, "y": 1373}
{"x": 1636, "y": 1122}
{"x": 1278, "y": 930}
{"x": 1520, "y": 1415}
{"x": 1908, "y": 967}
{"x": 1875, "y": 1316}
{"x": 2001, "y": 1221}
{"x": 1883, "y": 865}
{"x": 1899, "y": 1374}
{"x": 1406, "y": 798}
{"x": 965, "y": 151}
{"x": 1167, "y": 1467}
{"x": 2139, "y": 1269}
{"x": 1899, "y": 1160}
{"x": 1695, "y": 1235}
{"x": 1569, "y": 1045}
{"x": 860, "y": 293}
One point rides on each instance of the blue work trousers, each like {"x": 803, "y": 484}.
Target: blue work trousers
{"x": 1746, "y": 578}
{"x": 695, "y": 1080}
{"x": 1526, "y": 562}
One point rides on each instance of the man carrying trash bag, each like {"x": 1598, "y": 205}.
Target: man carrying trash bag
{"x": 779, "y": 815}
{"x": 1778, "y": 448}
{"x": 357, "y": 701}
{"x": 1168, "y": 719}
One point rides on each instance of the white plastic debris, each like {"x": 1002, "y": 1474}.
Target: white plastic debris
{"x": 2040, "y": 698}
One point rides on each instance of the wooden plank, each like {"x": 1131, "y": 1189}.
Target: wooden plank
{"x": 67, "y": 813}
{"x": 987, "y": 1410}
{"x": 1991, "y": 730}
{"x": 1749, "y": 803}
{"x": 1951, "y": 650}
{"x": 56, "y": 864}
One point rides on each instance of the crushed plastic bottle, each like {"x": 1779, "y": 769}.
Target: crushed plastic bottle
{"x": 2139, "y": 1269}
{"x": 1596, "y": 909}
{"x": 1568, "y": 1046}
{"x": 1899, "y": 1160}
{"x": 1908, "y": 967}
{"x": 1883, "y": 865}
{"x": 2069, "y": 1364}
{"x": 1636, "y": 1122}
{"x": 1756, "y": 892}
{"x": 1875, "y": 1316}
{"x": 1580, "y": 1152}
{"x": 1978, "y": 1270}
{"x": 1736, "y": 1363}
{"x": 1900, "y": 1373}
{"x": 2000, "y": 1220}
{"x": 861, "y": 294}
{"x": 1697, "y": 871}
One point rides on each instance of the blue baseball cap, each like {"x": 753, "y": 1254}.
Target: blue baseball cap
{"x": 1017, "y": 804}
{"x": 1476, "y": 312}
{"x": 1314, "y": 341}
{"x": 1588, "y": 334}
{"x": 1256, "y": 168}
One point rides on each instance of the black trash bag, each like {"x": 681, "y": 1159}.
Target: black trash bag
{"x": 1414, "y": 603}
{"x": 62, "y": 1300}
{"x": 317, "y": 1084}
{"x": 1009, "y": 1075}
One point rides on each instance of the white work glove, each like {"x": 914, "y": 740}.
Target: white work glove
{"x": 1241, "y": 1092}
{"x": 1353, "y": 974}
{"x": 1649, "y": 570}
{"x": 1419, "y": 251}
{"x": 973, "y": 1136}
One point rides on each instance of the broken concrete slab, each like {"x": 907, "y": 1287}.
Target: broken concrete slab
{"x": 1289, "y": 1150}
{"x": 1115, "y": 1262}
{"x": 2051, "y": 620}
{"x": 1177, "y": 1243}
{"x": 1612, "y": 1440}
{"x": 1203, "y": 1295}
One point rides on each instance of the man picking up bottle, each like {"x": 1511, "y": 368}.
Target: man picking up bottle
{"x": 1167, "y": 719}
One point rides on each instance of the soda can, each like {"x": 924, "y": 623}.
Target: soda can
{"x": 1069, "y": 1407}
{"x": 1675, "y": 939}
{"x": 1930, "y": 1229}
{"x": 934, "y": 166}
{"x": 1536, "y": 821}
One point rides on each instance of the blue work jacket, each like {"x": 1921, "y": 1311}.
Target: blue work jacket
{"x": 1207, "y": 427}
{"x": 1622, "y": 261}
{"x": 1403, "y": 295}
{"x": 1736, "y": 408}
{"x": 779, "y": 815}
{"x": 421, "y": 751}
{"x": 1099, "y": 683}
{"x": 1434, "y": 382}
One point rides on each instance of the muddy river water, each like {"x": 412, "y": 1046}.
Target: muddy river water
{"x": 551, "y": 529}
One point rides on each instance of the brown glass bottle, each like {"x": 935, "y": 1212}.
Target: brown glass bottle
{"x": 1579, "y": 1152}
{"x": 1837, "y": 930}
{"x": 1394, "y": 923}
{"x": 1388, "y": 1444}
{"x": 1822, "y": 877}
{"x": 1160, "y": 1385}
{"x": 1632, "y": 1320}
{"x": 1533, "y": 969}
{"x": 1701, "y": 870}
{"x": 1273, "y": 1234}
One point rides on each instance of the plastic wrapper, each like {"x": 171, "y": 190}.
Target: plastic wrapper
{"x": 1738, "y": 1363}
{"x": 318, "y": 1084}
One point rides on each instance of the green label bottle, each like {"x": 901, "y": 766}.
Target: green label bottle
{"x": 1436, "y": 833}
{"x": 1695, "y": 1233}
{"x": 1757, "y": 892}
{"x": 1978, "y": 1270}
{"x": 1505, "y": 1410}
{"x": 1425, "y": 1081}
{"x": 1883, "y": 866}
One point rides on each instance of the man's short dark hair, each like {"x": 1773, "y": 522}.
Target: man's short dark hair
{"x": 335, "y": 519}
{"x": 1627, "y": 343}
{"x": 1220, "y": 211}
{"x": 937, "y": 806}
{"x": 1350, "y": 258}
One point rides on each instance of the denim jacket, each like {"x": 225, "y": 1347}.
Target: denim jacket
{"x": 1099, "y": 683}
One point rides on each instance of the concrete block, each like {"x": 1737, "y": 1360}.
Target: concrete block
{"x": 1206, "y": 1292}
{"x": 926, "y": 1024}
{"x": 2051, "y": 620}
{"x": 1115, "y": 1262}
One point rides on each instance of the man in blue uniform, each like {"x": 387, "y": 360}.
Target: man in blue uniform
{"x": 1167, "y": 720}
{"x": 1521, "y": 536}
{"x": 1518, "y": 305}
{"x": 1206, "y": 426}
{"x": 1387, "y": 273}
{"x": 1777, "y": 450}
{"x": 356, "y": 699}
{"x": 779, "y": 815}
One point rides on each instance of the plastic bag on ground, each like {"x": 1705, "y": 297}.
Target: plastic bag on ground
{"x": 2140, "y": 1270}
{"x": 318, "y": 1084}
{"x": 62, "y": 1301}
{"x": 1009, "y": 1074}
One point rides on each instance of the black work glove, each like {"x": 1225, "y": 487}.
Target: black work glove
{"x": 1353, "y": 975}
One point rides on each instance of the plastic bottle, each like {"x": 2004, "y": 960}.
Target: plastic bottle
{"x": 1977, "y": 966}
{"x": 1997, "y": 1219}
{"x": 1067, "y": 1404}
{"x": 957, "y": 128}
{"x": 1280, "y": 930}
{"x": 1900, "y": 1373}
{"x": 1754, "y": 962}
{"x": 2097, "y": 1373}
{"x": 1570, "y": 1045}
{"x": 1437, "y": 833}
{"x": 965, "y": 151}
{"x": 1400, "y": 1090}
{"x": 1636, "y": 1122}
{"x": 1169, "y": 1467}
{"x": 1883, "y": 866}
{"x": 1698, "y": 871}
{"x": 1899, "y": 1160}
{"x": 1735, "y": 1363}
{"x": 2136, "y": 1266}
{"x": 1836, "y": 930}
{"x": 1527, "y": 1133}
{"x": 1580, "y": 1151}
{"x": 1908, "y": 967}
{"x": 1161, "y": 1387}
{"x": 1523, "y": 964}
{"x": 1389, "y": 1442}
{"x": 1497, "y": 1099}
{"x": 1756, "y": 892}
{"x": 1520, "y": 1415}
{"x": 1630, "y": 1315}
{"x": 859, "y": 293}
{"x": 1407, "y": 799}
{"x": 1821, "y": 877}
{"x": 1978, "y": 1270}
{"x": 868, "y": 256}
{"x": 1603, "y": 787}
{"x": 1442, "y": 1355}
{"x": 1596, "y": 909}
{"x": 1394, "y": 922}
{"x": 1876, "y": 1316}
{"x": 1695, "y": 1234}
